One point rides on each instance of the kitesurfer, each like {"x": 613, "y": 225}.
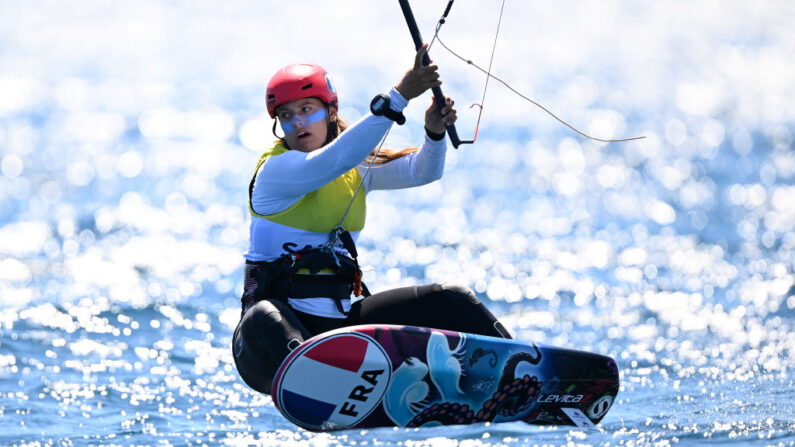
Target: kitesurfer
{"x": 301, "y": 268}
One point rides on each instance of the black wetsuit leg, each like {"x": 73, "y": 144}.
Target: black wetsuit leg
{"x": 270, "y": 329}
{"x": 266, "y": 334}
{"x": 440, "y": 306}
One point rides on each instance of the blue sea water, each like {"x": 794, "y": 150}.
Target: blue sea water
{"x": 128, "y": 134}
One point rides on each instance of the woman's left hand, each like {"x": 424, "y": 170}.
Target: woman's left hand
{"x": 436, "y": 121}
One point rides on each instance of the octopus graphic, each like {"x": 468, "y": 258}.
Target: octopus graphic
{"x": 407, "y": 398}
{"x": 406, "y": 391}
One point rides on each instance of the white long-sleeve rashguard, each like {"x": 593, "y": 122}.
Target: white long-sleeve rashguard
{"x": 283, "y": 180}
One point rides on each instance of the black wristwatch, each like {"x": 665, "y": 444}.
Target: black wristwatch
{"x": 380, "y": 107}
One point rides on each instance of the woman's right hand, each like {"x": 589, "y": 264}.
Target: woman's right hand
{"x": 420, "y": 78}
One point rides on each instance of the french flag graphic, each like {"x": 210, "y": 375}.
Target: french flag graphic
{"x": 334, "y": 382}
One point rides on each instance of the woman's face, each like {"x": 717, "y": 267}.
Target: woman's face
{"x": 304, "y": 123}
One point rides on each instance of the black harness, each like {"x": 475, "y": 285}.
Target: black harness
{"x": 300, "y": 274}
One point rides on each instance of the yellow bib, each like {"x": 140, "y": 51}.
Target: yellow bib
{"x": 320, "y": 210}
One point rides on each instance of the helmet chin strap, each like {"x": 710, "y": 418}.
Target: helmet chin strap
{"x": 274, "y": 133}
{"x": 328, "y": 126}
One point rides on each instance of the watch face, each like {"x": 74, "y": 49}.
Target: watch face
{"x": 379, "y": 103}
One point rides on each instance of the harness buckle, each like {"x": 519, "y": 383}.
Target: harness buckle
{"x": 357, "y": 283}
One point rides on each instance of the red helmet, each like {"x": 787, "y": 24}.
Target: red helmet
{"x": 298, "y": 81}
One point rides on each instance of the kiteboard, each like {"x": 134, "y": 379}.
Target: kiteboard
{"x": 404, "y": 376}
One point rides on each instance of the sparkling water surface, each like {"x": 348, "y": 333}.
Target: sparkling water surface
{"x": 129, "y": 132}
